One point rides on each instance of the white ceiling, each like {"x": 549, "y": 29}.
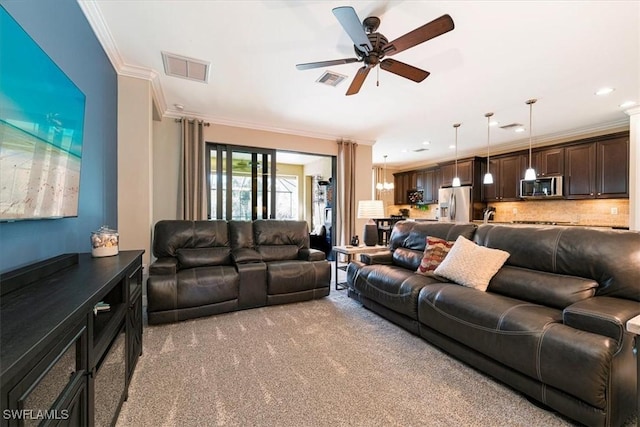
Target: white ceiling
{"x": 500, "y": 54}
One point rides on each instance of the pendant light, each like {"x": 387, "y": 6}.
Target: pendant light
{"x": 530, "y": 174}
{"x": 488, "y": 178}
{"x": 456, "y": 178}
{"x": 384, "y": 186}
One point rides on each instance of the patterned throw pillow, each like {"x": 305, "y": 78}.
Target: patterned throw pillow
{"x": 471, "y": 265}
{"x": 434, "y": 252}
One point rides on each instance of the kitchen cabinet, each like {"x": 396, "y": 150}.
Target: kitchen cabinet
{"x": 465, "y": 173}
{"x": 430, "y": 185}
{"x": 507, "y": 172}
{"x": 401, "y": 182}
{"x": 597, "y": 169}
{"x": 548, "y": 161}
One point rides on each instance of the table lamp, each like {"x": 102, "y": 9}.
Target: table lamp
{"x": 370, "y": 209}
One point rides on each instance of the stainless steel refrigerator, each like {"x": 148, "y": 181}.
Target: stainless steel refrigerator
{"x": 455, "y": 204}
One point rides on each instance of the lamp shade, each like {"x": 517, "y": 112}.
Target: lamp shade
{"x": 368, "y": 209}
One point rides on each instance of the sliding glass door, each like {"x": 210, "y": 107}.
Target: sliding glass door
{"x": 240, "y": 184}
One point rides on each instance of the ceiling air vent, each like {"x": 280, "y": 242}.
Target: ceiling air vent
{"x": 330, "y": 78}
{"x": 511, "y": 126}
{"x": 420, "y": 150}
{"x": 187, "y": 68}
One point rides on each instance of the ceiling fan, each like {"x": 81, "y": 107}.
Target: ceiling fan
{"x": 371, "y": 47}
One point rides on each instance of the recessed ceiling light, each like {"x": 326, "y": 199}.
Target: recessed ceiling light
{"x": 404, "y": 151}
{"x": 493, "y": 123}
{"x": 605, "y": 91}
{"x": 519, "y": 130}
{"x": 179, "y": 107}
{"x": 627, "y": 104}
{"x": 452, "y": 146}
{"x": 426, "y": 142}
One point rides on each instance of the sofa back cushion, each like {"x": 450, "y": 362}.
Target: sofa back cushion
{"x": 413, "y": 234}
{"x": 549, "y": 289}
{"x": 171, "y": 235}
{"x": 241, "y": 234}
{"x": 609, "y": 257}
{"x": 279, "y": 240}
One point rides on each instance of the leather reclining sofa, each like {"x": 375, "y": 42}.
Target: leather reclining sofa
{"x": 212, "y": 267}
{"x": 551, "y": 323}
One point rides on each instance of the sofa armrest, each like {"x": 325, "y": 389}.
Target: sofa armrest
{"x": 308, "y": 254}
{"x": 163, "y": 266}
{"x": 385, "y": 257}
{"x": 601, "y": 315}
{"x": 245, "y": 256}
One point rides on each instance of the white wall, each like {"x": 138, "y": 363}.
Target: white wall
{"x": 166, "y": 159}
{"x": 135, "y": 165}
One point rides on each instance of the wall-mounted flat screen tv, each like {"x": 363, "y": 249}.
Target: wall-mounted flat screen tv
{"x": 41, "y": 130}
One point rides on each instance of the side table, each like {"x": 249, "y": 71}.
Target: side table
{"x": 633, "y": 326}
{"x": 349, "y": 252}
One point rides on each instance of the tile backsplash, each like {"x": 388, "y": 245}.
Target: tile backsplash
{"x": 604, "y": 212}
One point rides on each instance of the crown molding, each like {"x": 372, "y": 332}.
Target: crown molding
{"x": 633, "y": 111}
{"x": 94, "y": 16}
{"x": 256, "y": 126}
{"x": 521, "y": 144}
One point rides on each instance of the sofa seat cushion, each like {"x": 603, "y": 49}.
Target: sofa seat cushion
{"x": 503, "y": 328}
{"x": 206, "y": 285}
{"x": 193, "y": 287}
{"x": 393, "y": 287}
{"x": 284, "y": 277}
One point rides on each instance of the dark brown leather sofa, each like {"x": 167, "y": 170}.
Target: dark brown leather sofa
{"x": 551, "y": 323}
{"x": 212, "y": 267}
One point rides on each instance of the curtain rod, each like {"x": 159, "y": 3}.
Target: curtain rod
{"x": 206, "y": 124}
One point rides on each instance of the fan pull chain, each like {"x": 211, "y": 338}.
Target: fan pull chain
{"x": 378, "y": 76}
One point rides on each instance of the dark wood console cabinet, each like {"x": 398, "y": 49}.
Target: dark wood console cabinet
{"x": 64, "y": 363}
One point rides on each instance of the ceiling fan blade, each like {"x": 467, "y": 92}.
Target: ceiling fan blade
{"x": 349, "y": 20}
{"x": 358, "y": 80}
{"x": 428, "y": 31}
{"x": 404, "y": 70}
{"x": 321, "y": 64}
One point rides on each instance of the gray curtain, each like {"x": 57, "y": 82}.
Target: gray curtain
{"x": 192, "y": 204}
{"x": 346, "y": 185}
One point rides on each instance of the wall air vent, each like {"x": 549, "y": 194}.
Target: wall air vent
{"x": 330, "y": 78}
{"x": 186, "y": 68}
{"x": 512, "y": 126}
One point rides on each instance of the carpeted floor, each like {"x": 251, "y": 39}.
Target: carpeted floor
{"x": 326, "y": 362}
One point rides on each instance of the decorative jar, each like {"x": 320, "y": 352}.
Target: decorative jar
{"x": 104, "y": 242}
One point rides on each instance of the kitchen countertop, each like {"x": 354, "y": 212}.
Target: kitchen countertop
{"x": 552, "y": 223}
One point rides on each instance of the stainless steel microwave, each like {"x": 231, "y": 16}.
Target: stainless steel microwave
{"x": 541, "y": 188}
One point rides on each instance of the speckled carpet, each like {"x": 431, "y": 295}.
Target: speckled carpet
{"x": 326, "y": 362}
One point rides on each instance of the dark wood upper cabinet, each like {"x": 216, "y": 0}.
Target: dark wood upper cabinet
{"x": 507, "y": 172}
{"x": 430, "y": 185}
{"x": 597, "y": 169}
{"x": 465, "y": 173}
{"x": 612, "y": 168}
{"x": 401, "y": 182}
{"x": 548, "y": 161}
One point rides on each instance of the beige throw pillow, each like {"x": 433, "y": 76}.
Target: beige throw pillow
{"x": 471, "y": 265}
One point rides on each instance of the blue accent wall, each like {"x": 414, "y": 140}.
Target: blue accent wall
{"x": 62, "y": 31}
